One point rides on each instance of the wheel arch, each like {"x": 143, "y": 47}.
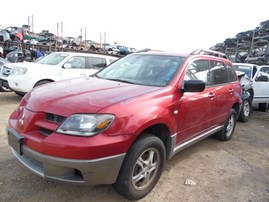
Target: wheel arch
{"x": 43, "y": 80}
{"x": 237, "y": 108}
{"x": 159, "y": 130}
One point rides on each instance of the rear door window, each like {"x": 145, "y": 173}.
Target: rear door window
{"x": 218, "y": 73}
{"x": 231, "y": 74}
{"x": 96, "y": 63}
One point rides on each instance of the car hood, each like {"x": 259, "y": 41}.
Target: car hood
{"x": 23, "y": 64}
{"x": 82, "y": 95}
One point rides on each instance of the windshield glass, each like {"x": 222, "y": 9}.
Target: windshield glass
{"x": 52, "y": 58}
{"x": 244, "y": 68}
{"x": 149, "y": 70}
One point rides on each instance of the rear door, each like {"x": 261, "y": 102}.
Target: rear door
{"x": 222, "y": 80}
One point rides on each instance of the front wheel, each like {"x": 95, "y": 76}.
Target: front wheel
{"x": 246, "y": 111}
{"x": 4, "y": 89}
{"x": 226, "y": 133}
{"x": 142, "y": 167}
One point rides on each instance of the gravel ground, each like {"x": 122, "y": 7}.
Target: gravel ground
{"x": 237, "y": 170}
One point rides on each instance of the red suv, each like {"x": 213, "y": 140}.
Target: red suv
{"x": 121, "y": 124}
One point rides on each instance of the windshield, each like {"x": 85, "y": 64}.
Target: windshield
{"x": 53, "y": 58}
{"x": 149, "y": 70}
{"x": 244, "y": 68}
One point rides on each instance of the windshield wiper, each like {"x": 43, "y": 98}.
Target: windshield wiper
{"x": 120, "y": 80}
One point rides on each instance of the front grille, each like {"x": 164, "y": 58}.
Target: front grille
{"x": 54, "y": 118}
{"x": 6, "y": 71}
{"x": 45, "y": 131}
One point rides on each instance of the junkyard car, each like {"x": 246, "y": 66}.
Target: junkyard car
{"x": 2, "y": 62}
{"x": 247, "y": 96}
{"x": 22, "y": 77}
{"x": 260, "y": 78}
{"x": 119, "y": 126}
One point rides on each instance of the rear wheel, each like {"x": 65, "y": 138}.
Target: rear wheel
{"x": 142, "y": 168}
{"x": 228, "y": 129}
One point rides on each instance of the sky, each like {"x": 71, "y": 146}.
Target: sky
{"x": 173, "y": 25}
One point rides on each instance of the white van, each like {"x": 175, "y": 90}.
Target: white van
{"x": 22, "y": 77}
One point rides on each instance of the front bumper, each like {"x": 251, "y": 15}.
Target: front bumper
{"x": 90, "y": 172}
{"x": 19, "y": 83}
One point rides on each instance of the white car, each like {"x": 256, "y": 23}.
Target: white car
{"x": 24, "y": 76}
{"x": 260, "y": 78}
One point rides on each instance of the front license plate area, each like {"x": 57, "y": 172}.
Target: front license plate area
{"x": 15, "y": 140}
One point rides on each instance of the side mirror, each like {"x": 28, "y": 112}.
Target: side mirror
{"x": 67, "y": 66}
{"x": 193, "y": 86}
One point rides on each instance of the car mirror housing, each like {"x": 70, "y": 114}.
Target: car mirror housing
{"x": 67, "y": 66}
{"x": 193, "y": 86}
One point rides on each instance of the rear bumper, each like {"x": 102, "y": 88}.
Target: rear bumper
{"x": 90, "y": 172}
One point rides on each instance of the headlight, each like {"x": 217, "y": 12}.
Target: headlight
{"x": 85, "y": 124}
{"x": 19, "y": 70}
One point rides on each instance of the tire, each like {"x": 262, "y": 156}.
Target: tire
{"x": 262, "y": 107}
{"x": 4, "y": 89}
{"x": 227, "y": 132}
{"x": 144, "y": 161}
{"x": 245, "y": 111}
{"x": 92, "y": 48}
{"x": 19, "y": 93}
{"x": 41, "y": 83}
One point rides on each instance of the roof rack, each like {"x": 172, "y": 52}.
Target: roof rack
{"x": 148, "y": 49}
{"x": 209, "y": 52}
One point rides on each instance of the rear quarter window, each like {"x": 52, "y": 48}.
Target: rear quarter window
{"x": 231, "y": 73}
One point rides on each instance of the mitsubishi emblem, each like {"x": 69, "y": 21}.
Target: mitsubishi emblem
{"x": 21, "y": 121}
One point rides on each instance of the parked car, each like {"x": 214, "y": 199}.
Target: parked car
{"x": 92, "y": 45}
{"x": 4, "y": 36}
{"x": 123, "y": 50}
{"x": 71, "y": 41}
{"x": 15, "y": 33}
{"x": 260, "y": 78}
{"x": 2, "y": 62}
{"x": 22, "y": 77}
{"x": 119, "y": 126}
{"x": 247, "y": 96}
{"x": 110, "y": 48}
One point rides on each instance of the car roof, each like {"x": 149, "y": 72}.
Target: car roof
{"x": 165, "y": 53}
{"x": 249, "y": 64}
{"x": 86, "y": 54}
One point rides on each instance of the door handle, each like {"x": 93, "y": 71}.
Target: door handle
{"x": 211, "y": 95}
{"x": 231, "y": 90}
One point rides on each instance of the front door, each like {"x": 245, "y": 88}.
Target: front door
{"x": 261, "y": 85}
{"x": 194, "y": 105}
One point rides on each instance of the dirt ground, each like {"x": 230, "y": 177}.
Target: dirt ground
{"x": 237, "y": 170}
